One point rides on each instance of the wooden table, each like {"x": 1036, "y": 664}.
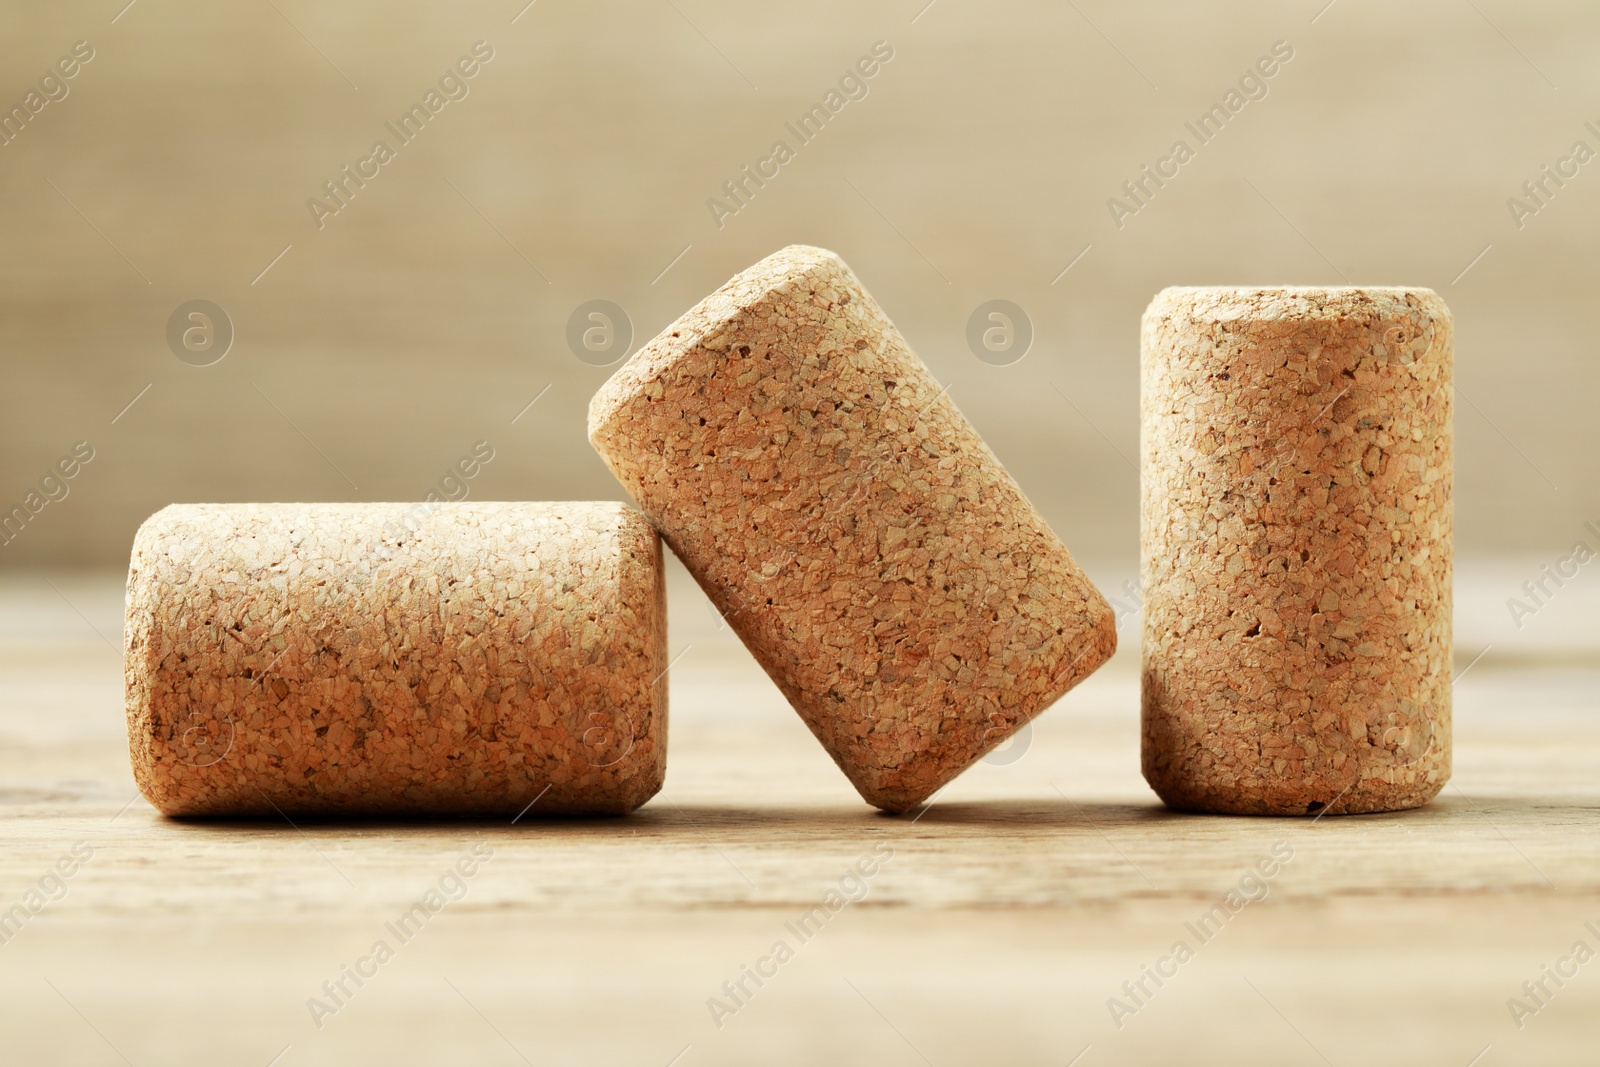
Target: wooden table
{"x": 1011, "y": 912}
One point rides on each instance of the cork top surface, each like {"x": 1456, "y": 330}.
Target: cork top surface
{"x": 1304, "y": 304}
{"x": 709, "y": 324}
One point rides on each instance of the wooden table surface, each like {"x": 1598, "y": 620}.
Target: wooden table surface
{"x": 996, "y": 926}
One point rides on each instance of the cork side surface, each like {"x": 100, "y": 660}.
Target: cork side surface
{"x": 380, "y": 659}
{"x": 1296, "y": 536}
{"x": 847, "y": 520}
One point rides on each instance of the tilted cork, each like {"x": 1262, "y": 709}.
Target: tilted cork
{"x": 849, "y": 523}
{"x": 469, "y": 658}
{"x": 1296, "y": 538}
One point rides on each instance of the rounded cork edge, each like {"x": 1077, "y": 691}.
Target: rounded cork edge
{"x": 1224, "y": 303}
{"x": 139, "y": 612}
{"x": 642, "y": 591}
{"x": 703, "y": 322}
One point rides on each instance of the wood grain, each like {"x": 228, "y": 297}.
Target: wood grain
{"x": 1011, "y": 910}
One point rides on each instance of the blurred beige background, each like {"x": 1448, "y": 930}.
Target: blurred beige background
{"x": 372, "y": 353}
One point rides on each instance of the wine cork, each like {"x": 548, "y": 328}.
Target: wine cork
{"x": 849, "y": 523}
{"x": 383, "y": 659}
{"x": 1296, "y": 539}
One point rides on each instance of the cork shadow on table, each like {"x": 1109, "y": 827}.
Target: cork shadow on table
{"x": 1523, "y": 821}
{"x": 661, "y": 816}
{"x": 659, "y": 812}
{"x": 981, "y": 852}
{"x": 1047, "y": 812}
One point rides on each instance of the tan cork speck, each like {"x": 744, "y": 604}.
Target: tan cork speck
{"x": 850, "y": 524}
{"x": 383, "y": 659}
{"x": 1296, "y": 539}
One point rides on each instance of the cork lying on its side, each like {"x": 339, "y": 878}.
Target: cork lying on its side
{"x": 850, "y": 524}
{"x": 396, "y": 658}
{"x": 1297, "y": 549}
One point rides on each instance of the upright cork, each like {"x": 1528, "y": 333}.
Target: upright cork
{"x": 1296, "y": 536}
{"x": 385, "y": 659}
{"x": 849, "y": 523}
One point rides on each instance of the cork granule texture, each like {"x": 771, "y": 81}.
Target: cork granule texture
{"x": 325, "y": 659}
{"x": 850, "y": 525}
{"x": 1296, "y": 543}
